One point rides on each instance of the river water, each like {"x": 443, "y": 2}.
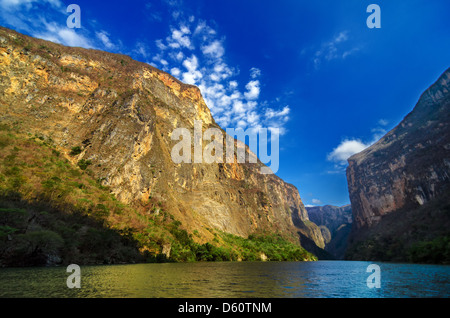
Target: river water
{"x": 330, "y": 279}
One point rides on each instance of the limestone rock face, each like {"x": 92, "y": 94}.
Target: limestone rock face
{"x": 399, "y": 187}
{"x": 122, "y": 113}
{"x": 330, "y": 216}
{"x": 335, "y": 224}
{"x": 407, "y": 167}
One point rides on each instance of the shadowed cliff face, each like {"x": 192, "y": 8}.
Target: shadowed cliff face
{"x": 121, "y": 113}
{"x": 406, "y": 174}
{"x": 335, "y": 224}
{"x": 410, "y": 165}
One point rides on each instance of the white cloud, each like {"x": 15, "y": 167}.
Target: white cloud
{"x": 270, "y": 113}
{"x": 316, "y": 201}
{"x": 383, "y": 122}
{"x": 221, "y": 71}
{"x": 253, "y": 90}
{"x": 180, "y": 38}
{"x": 204, "y": 29}
{"x": 350, "y": 52}
{"x": 175, "y": 71}
{"x": 142, "y": 49}
{"x": 198, "y": 57}
{"x": 253, "y": 117}
{"x": 233, "y": 84}
{"x": 15, "y": 4}
{"x": 238, "y": 107}
{"x": 30, "y": 17}
{"x": 192, "y": 51}
{"x": 215, "y": 49}
{"x": 25, "y": 16}
{"x": 191, "y": 63}
{"x": 103, "y": 36}
{"x": 176, "y": 14}
{"x": 160, "y": 45}
{"x": 341, "y": 37}
{"x": 61, "y": 34}
{"x": 276, "y": 118}
{"x": 255, "y": 72}
{"x": 377, "y": 132}
{"x": 350, "y": 146}
{"x": 71, "y": 38}
{"x": 161, "y": 62}
{"x": 179, "y": 56}
{"x": 345, "y": 150}
{"x": 193, "y": 74}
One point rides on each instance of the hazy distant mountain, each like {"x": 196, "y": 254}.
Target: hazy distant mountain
{"x": 335, "y": 224}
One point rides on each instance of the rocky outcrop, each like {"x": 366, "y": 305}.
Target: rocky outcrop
{"x": 408, "y": 167}
{"x": 335, "y": 224}
{"x": 121, "y": 114}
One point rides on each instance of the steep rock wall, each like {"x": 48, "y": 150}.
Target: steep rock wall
{"x": 407, "y": 167}
{"x": 121, "y": 113}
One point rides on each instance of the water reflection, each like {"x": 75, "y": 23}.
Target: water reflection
{"x": 247, "y": 279}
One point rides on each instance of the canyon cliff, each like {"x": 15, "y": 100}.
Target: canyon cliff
{"x": 115, "y": 116}
{"x": 399, "y": 186}
{"x": 335, "y": 224}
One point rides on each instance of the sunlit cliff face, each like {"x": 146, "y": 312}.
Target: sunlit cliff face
{"x": 122, "y": 113}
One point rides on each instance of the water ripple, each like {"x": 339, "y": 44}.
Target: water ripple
{"x": 337, "y": 279}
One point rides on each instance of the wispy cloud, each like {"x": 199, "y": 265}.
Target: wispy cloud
{"x": 383, "y": 122}
{"x": 192, "y": 50}
{"x": 180, "y": 38}
{"x": 315, "y": 202}
{"x": 45, "y": 19}
{"x": 195, "y": 53}
{"x": 26, "y": 4}
{"x": 61, "y": 34}
{"x": 103, "y": 36}
{"x": 142, "y": 50}
{"x": 215, "y": 49}
{"x": 338, "y": 48}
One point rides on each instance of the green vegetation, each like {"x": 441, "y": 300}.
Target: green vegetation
{"x": 75, "y": 151}
{"x": 418, "y": 235}
{"x": 436, "y": 251}
{"x": 83, "y": 164}
{"x": 53, "y": 212}
{"x": 272, "y": 246}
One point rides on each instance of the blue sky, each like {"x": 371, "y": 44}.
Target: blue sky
{"x": 312, "y": 68}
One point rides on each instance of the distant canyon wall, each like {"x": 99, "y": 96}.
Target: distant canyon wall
{"x": 335, "y": 224}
